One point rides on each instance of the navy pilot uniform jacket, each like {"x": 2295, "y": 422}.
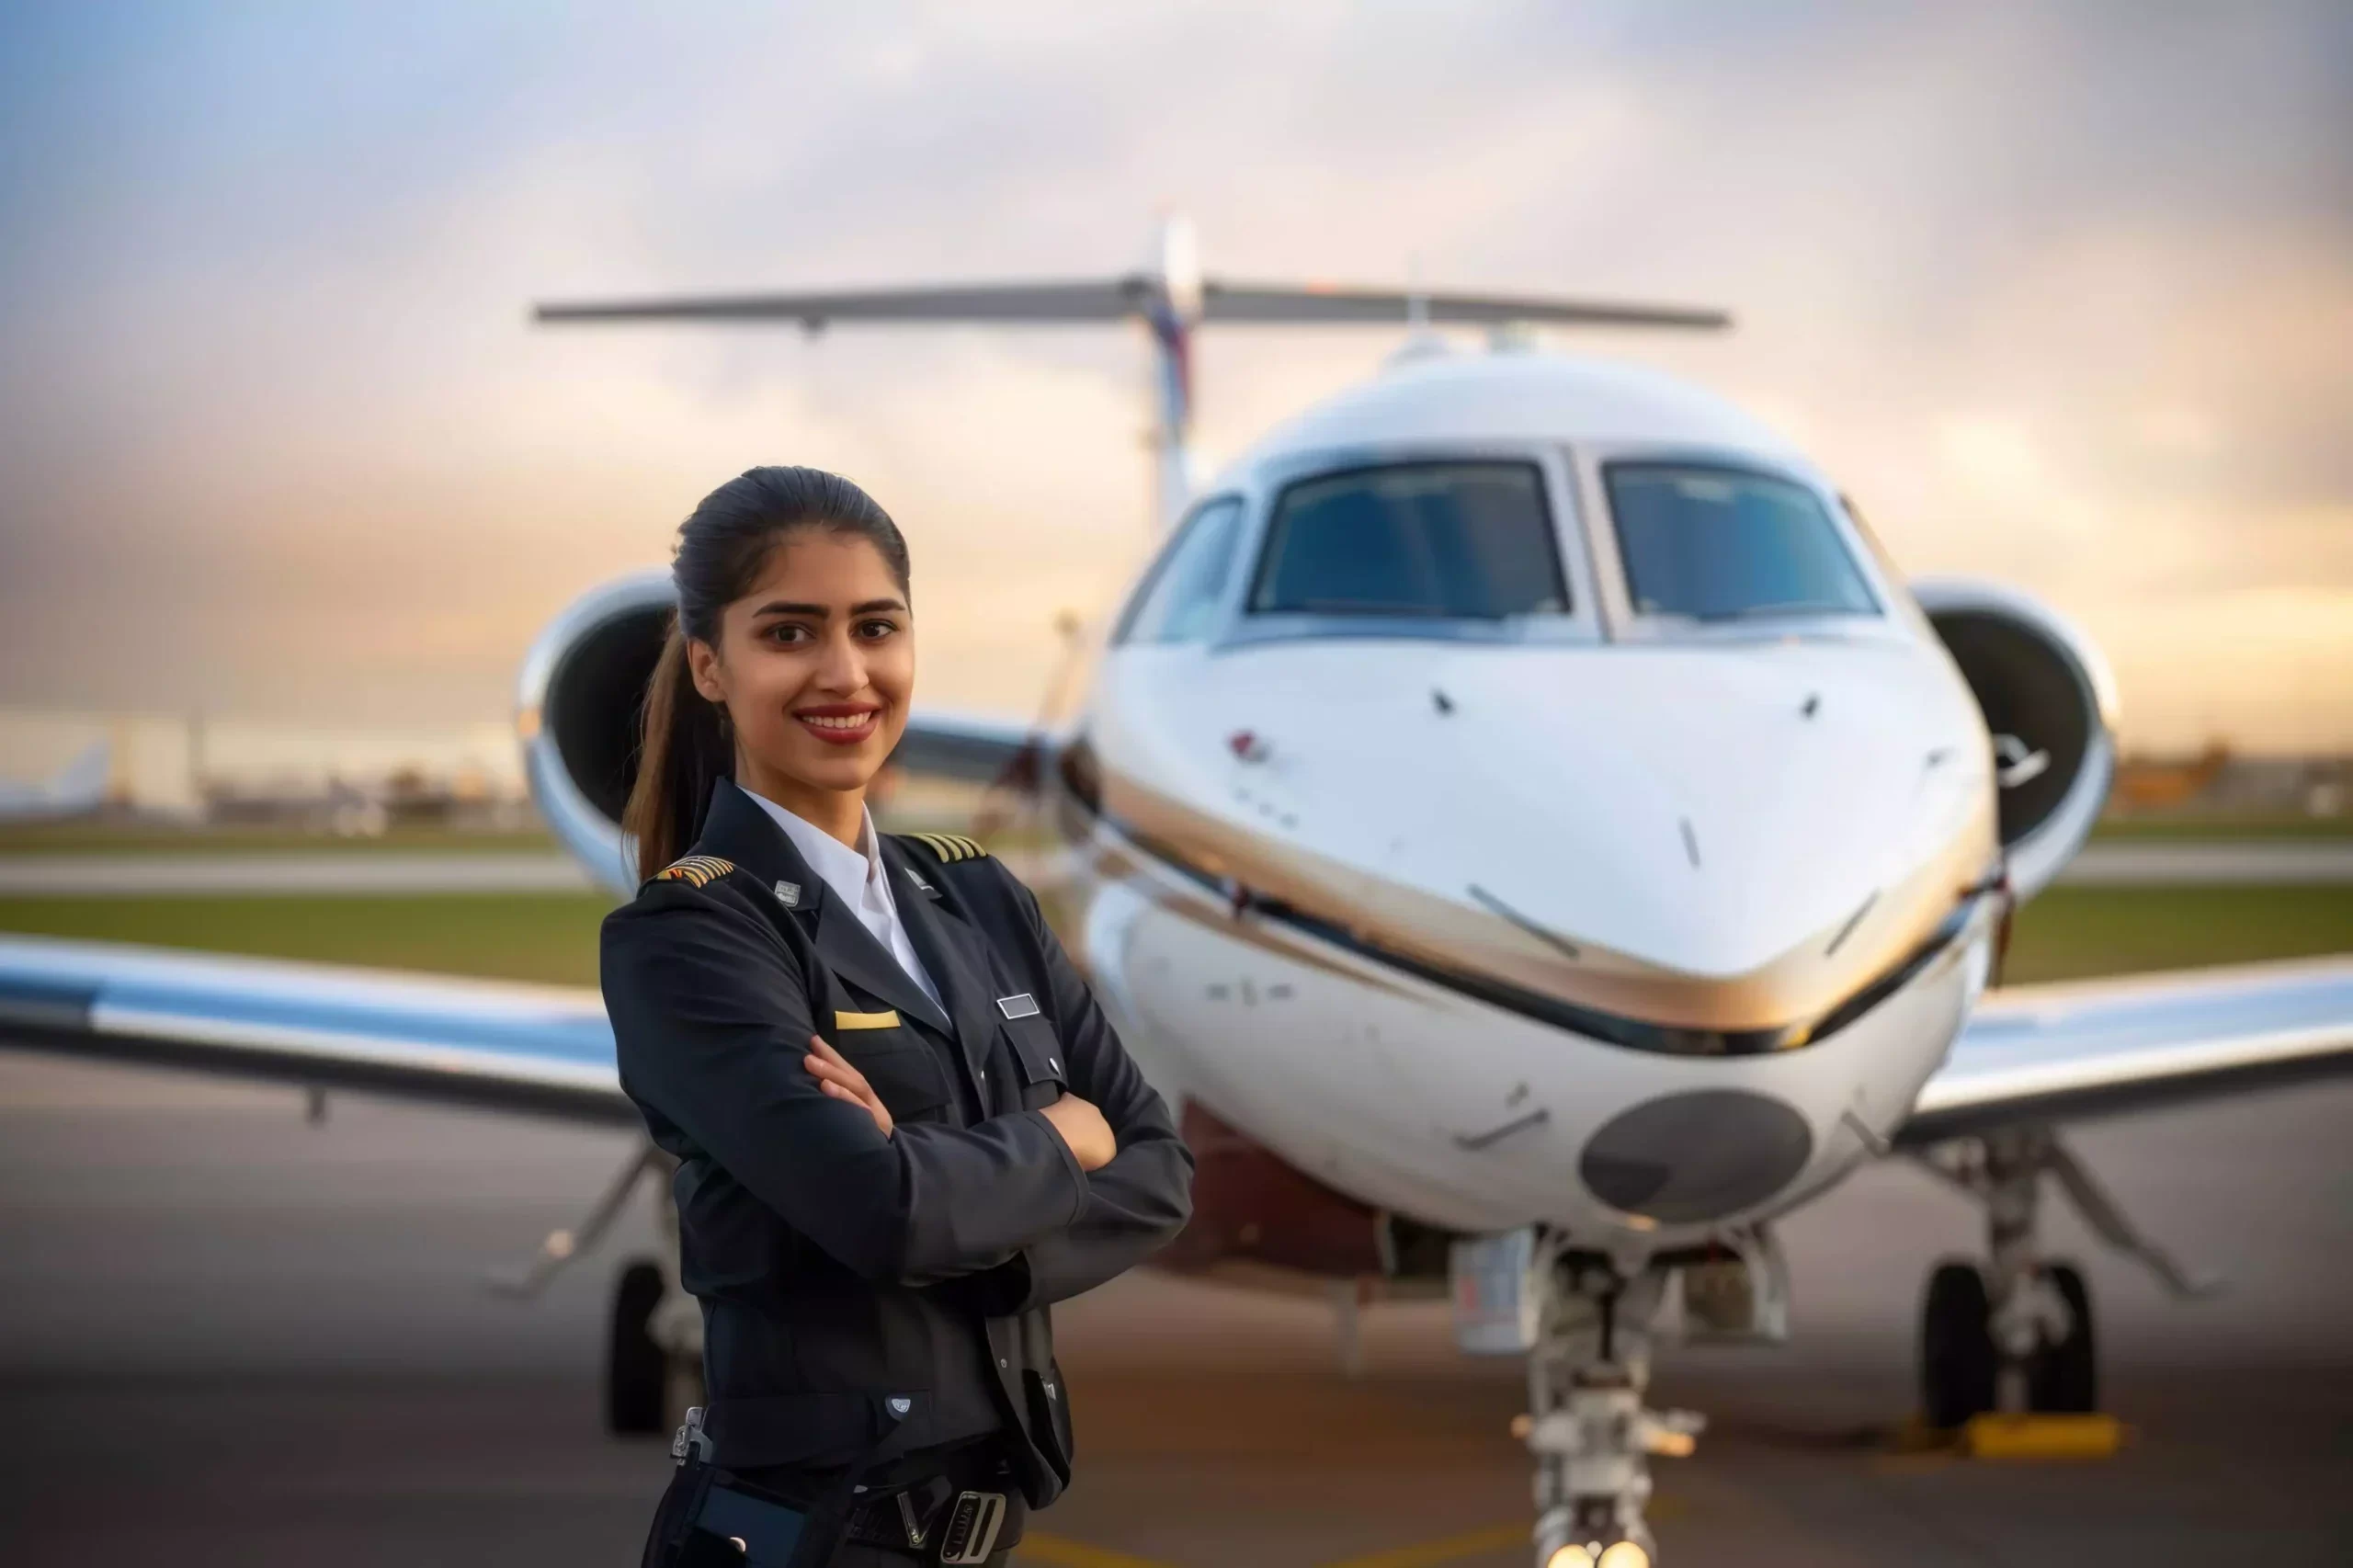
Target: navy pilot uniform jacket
{"x": 848, "y": 1279}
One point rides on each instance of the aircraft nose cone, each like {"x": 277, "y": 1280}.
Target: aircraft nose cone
{"x": 1698, "y": 1156}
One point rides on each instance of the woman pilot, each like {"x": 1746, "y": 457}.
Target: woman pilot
{"x": 903, "y": 1126}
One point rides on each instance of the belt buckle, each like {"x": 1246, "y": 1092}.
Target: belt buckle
{"x": 973, "y": 1524}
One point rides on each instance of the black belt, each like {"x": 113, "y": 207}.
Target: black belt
{"x": 956, "y": 1508}
{"x": 952, "y": 1507}
{"x": 938, "y": 1520}
{"x": 733, "y": 1522}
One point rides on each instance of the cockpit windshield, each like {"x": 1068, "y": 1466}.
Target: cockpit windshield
{"x": 1708, "y": 543}
{"x": 1456, "y": 540}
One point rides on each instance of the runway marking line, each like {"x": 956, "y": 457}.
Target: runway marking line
{"x": 1495, "y": 1537}
{"x": 1055, "y": 1551}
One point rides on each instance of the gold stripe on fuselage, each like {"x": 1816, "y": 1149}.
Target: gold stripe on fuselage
{"x": 1115, "y": 864}
{"x": 1810, "y": 978}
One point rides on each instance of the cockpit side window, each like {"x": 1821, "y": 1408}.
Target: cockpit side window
{"x": 1454, "y": 540}
{"x": 1709, "y": 543}
{"x": 1179, "y": 601}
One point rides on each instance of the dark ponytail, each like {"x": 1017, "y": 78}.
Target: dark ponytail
{"x": 688, "y": 747}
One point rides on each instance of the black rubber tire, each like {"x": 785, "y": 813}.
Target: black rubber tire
{"x": 636, "y": 1372}
{"x": 1956, "y": 1359}
{"x": 2063, "y": 1379}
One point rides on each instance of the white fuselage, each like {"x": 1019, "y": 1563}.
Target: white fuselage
{"x": 1353, "y": 886}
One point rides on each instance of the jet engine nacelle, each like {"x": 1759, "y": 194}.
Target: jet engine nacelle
{"x": 2049, "y": 706}
{"x": 580, "y": 705}
{"x": 578, "y": 710}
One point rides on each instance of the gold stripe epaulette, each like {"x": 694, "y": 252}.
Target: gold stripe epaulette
{"x": 700, "y": 869}
{"x": 949, "y": 846}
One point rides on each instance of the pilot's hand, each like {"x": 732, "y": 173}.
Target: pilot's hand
{"x": 1083, "y": 1129}
{"x": 844, "y": 1082}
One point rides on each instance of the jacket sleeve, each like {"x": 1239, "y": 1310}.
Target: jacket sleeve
{"x": 710, "y": 1018}
{"x": 1137, "y": 1203}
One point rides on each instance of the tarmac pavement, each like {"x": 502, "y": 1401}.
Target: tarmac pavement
{"x": 229, "y": 1338}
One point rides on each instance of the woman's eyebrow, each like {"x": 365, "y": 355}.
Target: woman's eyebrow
{"x": 819, "y": 612}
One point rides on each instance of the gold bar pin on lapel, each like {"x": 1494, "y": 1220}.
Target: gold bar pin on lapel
{"x": 842, "y": 1020}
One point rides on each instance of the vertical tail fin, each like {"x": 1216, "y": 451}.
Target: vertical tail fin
{"x": 1170, "y": 297}
{"x": 1173, "y": 311}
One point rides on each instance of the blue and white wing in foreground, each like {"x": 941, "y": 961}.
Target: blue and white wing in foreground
{"x": 534, "y": 1048}
{"x": 2057, "y": 1054}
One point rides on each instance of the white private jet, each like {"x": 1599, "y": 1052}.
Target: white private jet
{"x": 76, "y": 790}
{"x": 1525, "y": 826}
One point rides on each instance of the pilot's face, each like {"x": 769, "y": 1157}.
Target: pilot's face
{"x": 814, "y": 665}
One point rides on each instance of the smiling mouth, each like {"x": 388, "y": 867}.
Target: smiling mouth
{"x": 841, "y": 727}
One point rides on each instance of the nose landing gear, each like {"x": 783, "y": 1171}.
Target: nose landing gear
{"x": 1591, "y": 1434}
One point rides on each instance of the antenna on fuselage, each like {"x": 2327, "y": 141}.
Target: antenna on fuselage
{"x": 1170, "y": 298}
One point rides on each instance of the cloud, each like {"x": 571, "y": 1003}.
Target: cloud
{"x": 2058, "y": 293}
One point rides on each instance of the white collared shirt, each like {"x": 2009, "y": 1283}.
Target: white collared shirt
{"x": 858, "y": 878}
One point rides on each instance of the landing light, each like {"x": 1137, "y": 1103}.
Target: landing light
{"x": 1625, "y": 1554}
{"x": 1570, "y": 1556}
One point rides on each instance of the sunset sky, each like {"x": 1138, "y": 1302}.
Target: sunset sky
{"x": 2062, "y": 294}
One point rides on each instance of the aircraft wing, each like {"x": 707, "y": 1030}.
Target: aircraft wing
{"x": 2071, "y": 1052}
{"x": 982, "y": 751}
{"x": 1134, "y": 295}
{"x": 438, "y": 1038}
{"x": 1093, "y": 300}
{"x": 1285, "y": 304}
{"x": 511, "y": 1047}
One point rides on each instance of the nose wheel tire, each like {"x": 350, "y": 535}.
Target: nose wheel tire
{"x": 637, "y": 1371}
{"x": 1958, "y": 1366}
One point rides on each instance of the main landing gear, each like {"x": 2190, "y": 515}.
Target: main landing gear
{"x": 654, "y": 1340}
{"x": 2014, "y": 1333}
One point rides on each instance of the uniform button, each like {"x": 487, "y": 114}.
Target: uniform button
{"x": 1000, "y": 1362}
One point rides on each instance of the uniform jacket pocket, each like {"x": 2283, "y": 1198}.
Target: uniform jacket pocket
{"x": 1044, "y": 1069}
{"x": 903, "y": 1070}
